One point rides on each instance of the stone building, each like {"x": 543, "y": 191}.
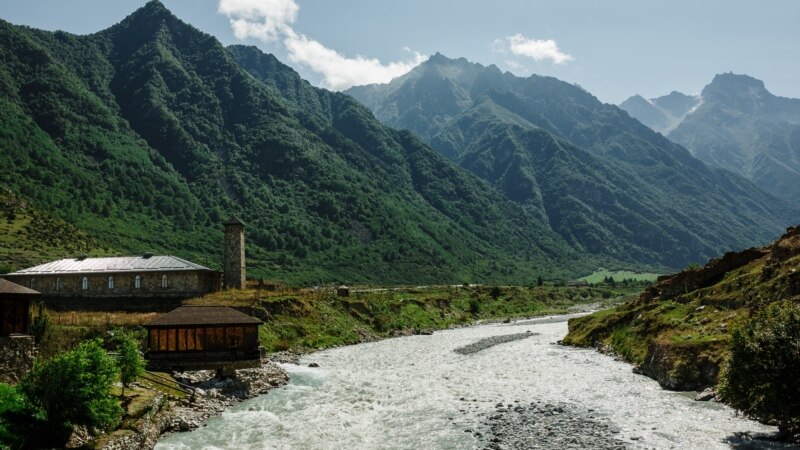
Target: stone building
{"x": 203, "y": 337}
{"x": 148, "y": 276}
{"x": 234, "y": 255}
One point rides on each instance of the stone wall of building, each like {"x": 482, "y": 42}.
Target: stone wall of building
{"x": 17, "y": 354}
{"x": 178, "y": 284}
{"x": 234, "y": 256}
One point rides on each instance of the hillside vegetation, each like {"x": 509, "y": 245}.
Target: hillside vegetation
{"x": 678, "y": 331}
{"x": 149, "y": 134}
{"x": 313, "y": 319}
{"x": 28, "y": 235}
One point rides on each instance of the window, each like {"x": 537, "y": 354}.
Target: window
{"x": 33, "y": 283}
{"x": 85, "y": 284}
{"x": 59, "y": 284}
{"x": 111, "y": 281}
{"x": 137, "y": 282}
{"x": 163, "y": 281}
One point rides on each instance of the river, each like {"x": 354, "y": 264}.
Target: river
{"x": 416, "y": 392}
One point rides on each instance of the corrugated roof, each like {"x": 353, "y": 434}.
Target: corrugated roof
{"x": 112, "y": 264}
{"x": 7, "y": 287}
{"x": 204, "y": 315}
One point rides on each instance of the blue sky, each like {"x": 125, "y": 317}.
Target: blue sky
{"x": 612, "y": 48}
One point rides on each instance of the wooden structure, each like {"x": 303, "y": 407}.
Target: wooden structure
{"x": 203, "y": 338}
{"x": 343, "y": 291}
{"x": 15, "y": 305}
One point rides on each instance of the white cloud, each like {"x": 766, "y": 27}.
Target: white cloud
{"x": 340, "y": 72}
{"x": 271, "y": 20}
{"x": 261, "y": 19}
{"x": 538, "y": 49}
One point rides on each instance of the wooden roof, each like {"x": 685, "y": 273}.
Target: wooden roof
{"x": 204, "y": 315}
{"x": 7, "y": 287}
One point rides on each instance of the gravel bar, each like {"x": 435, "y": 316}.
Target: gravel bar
{"x": 485, "y": 343}
{"x": 548, "y": 426}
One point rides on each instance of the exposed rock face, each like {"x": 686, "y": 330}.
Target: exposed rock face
{"x": 671, "y": 286}
{"x": 17, "y": 354}
{"x": 679, "y": 368}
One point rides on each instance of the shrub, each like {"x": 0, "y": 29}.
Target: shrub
{"x": 73, "y": 388}
{"x": 474, "y": 306}
{"x": 12, "y": 407}
{"x": 759, "y": 377}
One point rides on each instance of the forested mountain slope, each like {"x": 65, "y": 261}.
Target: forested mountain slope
{"x": 147, "y": 135}
{"x": 606, "y": 183}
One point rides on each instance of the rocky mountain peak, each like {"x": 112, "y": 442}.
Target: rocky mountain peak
{"x": 728, "y": 86}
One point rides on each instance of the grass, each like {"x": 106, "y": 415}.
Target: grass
{"x": 599, "y": 275}
{"x": 30, "y": 236}
{"x": 317, "y": 318}
{"x": 98, "y": 319}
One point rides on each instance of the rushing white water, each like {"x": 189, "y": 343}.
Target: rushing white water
{"x": 416, "y": 393}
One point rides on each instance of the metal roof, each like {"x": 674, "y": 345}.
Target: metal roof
{"x": 204, "y": 315}
{"x": 7, "y": 287}
{"x": 113, "y": 264}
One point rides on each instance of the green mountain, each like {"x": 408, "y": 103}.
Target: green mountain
{"x": 603, "y": 181}
{"x": 742, "y": 127}
{"x": 147, "y": 135}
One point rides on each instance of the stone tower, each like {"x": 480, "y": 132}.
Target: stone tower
{"x": 233, "y": 262}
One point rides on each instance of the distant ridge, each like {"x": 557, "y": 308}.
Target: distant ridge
{"x": 606, "y": 183}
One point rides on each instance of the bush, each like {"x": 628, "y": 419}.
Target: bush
{"x": 73, "y": 388}
{"x": 760, "y": 376}
{"x": 474, "y": 306}
{"x": 12, "y": 406}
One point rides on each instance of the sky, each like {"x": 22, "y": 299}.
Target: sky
{"x": 613, "y": 48}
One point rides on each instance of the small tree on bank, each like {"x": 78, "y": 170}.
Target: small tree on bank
{"x": 73, "y": 388}
{"x": 130, "y": 361}
{"x": 760, "y": 377}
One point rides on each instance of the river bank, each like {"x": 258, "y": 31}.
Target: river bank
{"x": 417, "y": 392}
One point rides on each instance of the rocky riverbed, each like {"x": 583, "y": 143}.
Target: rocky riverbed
{"x": 212, "y": 395}
{"x": 416, "y": 392}
{"x": 540, "y": 425}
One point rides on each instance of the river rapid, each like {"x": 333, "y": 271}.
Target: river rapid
{"x": 417, "y": 392}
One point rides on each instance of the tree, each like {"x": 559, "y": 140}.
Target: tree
{"x": 759, "y": 377}
{"x": 539, "y": 281}
{"x": 131, "y": 363}
{"x": 73, "y": 388}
